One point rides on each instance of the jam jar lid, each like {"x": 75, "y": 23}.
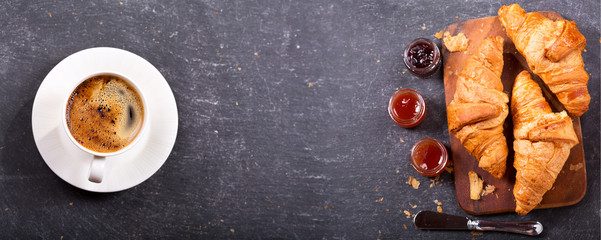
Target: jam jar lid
{"x": 422, "y": 57}
{"x": 429, "y": 157}
{"x": 407, "y": 108}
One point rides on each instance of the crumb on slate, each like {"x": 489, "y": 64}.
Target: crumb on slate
{"x": 435, "y": 181}
{"x": 413, "y": 182}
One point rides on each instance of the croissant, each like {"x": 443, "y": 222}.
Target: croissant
{"x": 542, "y": 144}
{"x": 553, "y": 50}
{"x": 479, "y": 107}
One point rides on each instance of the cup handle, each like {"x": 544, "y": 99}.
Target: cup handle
{"x": 97, "y": 169}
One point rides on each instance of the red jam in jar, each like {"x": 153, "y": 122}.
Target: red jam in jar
{"x": 422, "y": 57}
{"x": 407, "y": 108}
{"x": 429, "y": 157}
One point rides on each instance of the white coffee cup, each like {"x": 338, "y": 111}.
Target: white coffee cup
{"x": 97, "y": 170}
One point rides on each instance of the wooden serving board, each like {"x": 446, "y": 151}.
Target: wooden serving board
{"x": 570, "y": 186}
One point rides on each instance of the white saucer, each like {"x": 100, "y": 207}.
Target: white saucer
{"x": 122, "y": 171}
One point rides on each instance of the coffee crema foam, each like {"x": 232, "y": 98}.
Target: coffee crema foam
{"x": 105, "y": 113}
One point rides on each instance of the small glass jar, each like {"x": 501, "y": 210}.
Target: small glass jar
{"x": 407, "y": 108}
{"x": 429, "y": 157}
{"x": 422, "y": 57}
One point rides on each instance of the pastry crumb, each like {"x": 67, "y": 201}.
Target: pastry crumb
{"x": 310, "y": 85}
{"x": 423, "y": 26}
{"x": 439, "y": 209}
{"x": 413, "y": 182}
{"x": 380, "y": 200}
{"x": 402, "y": 140}
{"x": 404, "y": 226}
{"x": 576, "y": 167}
{"x": 439, "y": 34}
{"x": 475, "y": 185}
{"x": 449, "y": 169}
{"x": 435, "y": 181}
{"x": 407, "y": 213}
{"x": 455, "y": 43}
{"x": 488, "y": 190}
{"x": 413, "y": 206}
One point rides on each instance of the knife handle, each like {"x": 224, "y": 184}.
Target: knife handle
{"x": 527, "y": 228}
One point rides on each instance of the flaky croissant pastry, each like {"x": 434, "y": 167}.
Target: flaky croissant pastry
{"x": 553, "y": 50}
{"x": 479, "y": 107}
{"x": 542, "y": 144}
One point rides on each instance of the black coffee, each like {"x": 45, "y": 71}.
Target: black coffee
{"x": 105, "y": 113}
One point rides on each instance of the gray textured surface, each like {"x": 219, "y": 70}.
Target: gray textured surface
{"x": 283, "y": 125}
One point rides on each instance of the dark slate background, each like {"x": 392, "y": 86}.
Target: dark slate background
{"x": 283, "y": 129}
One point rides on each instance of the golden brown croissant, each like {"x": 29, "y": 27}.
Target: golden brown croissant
{"x": 479, "y": 107}
{"x": 553, "y": 50}
{"x": 542, "y": 144}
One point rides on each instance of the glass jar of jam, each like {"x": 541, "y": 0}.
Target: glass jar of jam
{"x": 407, "y": 108}
{"x": 422, "y": 57}
{"x": 429, "y": 157}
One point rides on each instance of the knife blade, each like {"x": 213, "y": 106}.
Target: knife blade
{"x": 442, "y": 221}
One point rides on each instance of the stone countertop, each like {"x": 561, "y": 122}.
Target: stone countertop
{"x": 283, "y": 127}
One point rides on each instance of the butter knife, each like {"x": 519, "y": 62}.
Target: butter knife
{"x": 442, "y": 221}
